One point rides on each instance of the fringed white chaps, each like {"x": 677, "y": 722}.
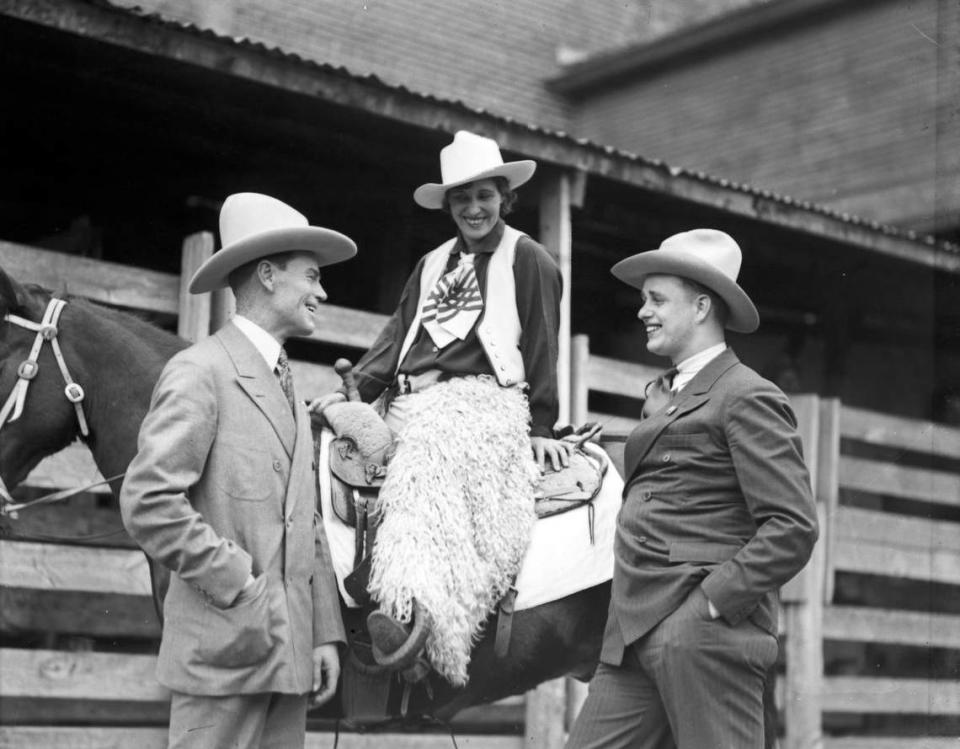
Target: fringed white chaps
{"x": 457, "y": 511}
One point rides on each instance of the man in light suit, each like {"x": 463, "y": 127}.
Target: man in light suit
{"x": 717, "y": 515}
{"x": 222, "y": 492}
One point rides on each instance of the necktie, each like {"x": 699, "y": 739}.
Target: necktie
{"x": 668, "y": 377}
{"x": 454, "y": 304}
{"x": 286, "y": 378}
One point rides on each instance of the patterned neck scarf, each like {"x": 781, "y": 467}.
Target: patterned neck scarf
{"x": 454, "y": 304}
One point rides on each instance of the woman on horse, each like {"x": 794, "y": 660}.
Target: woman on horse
{"x": 465, "y": 371}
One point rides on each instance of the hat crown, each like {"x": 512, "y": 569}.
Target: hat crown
{"x": 247, "y": 214}
{"x": 469, "y": 155}
{"x": 709, "y": 246}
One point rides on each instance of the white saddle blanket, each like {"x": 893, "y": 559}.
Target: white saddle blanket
{"x": 560, "y": 559}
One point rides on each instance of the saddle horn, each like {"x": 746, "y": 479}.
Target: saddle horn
{"x": 344, "y": 368}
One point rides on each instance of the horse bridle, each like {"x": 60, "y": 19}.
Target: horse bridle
{"x": 46, "y": 330}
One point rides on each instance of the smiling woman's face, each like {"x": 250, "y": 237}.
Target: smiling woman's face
{"x": 475, "y": 208}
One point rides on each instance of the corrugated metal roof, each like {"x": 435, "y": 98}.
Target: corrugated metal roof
{"x": 558, "y": 137}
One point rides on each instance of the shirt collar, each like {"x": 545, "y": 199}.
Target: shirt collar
{"x": 487, "y": 245}
{"x": 689, "y": 367}
{"x": 266, "y": 344}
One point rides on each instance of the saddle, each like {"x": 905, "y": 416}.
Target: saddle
{"x": 361, "y": 450}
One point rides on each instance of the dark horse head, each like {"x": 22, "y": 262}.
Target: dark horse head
{"x": 113, "y": 357}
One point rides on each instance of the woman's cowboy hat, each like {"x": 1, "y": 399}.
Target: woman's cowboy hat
{"x": 471, "y": 157}
{"x": 707, "y": 256}
{"x": 253, "y": 226}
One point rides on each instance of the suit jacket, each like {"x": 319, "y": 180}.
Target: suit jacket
{"x": 223, "y": 486}
{"x": 717, "y": 495}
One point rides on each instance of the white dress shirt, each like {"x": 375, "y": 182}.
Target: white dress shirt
{"x": 266, "y": 344}
{"x": 689, "y": 367}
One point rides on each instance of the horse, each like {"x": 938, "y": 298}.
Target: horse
{"x": 117, "y": 358}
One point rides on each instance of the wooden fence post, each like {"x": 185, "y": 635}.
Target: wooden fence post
{"x": 193, "y": 322}
{"x": 546, "y": 707}
{"x": 579, "y": 384}
{"x": 560, "y": 191}
{"x": 803, "y": 607}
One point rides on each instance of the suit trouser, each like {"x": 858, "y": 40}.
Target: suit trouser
{"x": 692, "y": 682}
{"x": 245, "y": 721}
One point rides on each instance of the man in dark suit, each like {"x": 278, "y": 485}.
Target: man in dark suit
{"x": 717, "y": 516}
{"x": 222, "y": 492}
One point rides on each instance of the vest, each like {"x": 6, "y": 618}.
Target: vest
{"x": 499, "y": 325}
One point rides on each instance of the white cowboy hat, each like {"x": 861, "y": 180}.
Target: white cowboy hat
{"x": 471, "y": 157}
{"x": 707, "y": 256}
{"x": 253, "y": 226}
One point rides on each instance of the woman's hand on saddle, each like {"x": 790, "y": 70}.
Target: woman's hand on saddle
{"x": 318, "y": 404}
{"x": 556, "y": 451}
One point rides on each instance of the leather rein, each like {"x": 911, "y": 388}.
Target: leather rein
{"x": 46, "y": 330}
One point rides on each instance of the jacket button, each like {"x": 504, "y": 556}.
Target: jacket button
{"x": 276, "y": 465}
{"x": 666, "y": 458}
{"x": 645, "y": 495}
{"x": 642, "y": 539}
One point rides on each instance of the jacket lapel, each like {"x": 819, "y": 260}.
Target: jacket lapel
{"x": 260, "y": 384}
{"x": 690, "y": 398}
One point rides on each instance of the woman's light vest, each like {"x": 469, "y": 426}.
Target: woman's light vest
{"x": 499, "y": 325}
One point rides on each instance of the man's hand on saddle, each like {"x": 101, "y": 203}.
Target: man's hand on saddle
{"x": 326, "y": 673}
{"x": 317, "y": 405}
{"x": 556, "y": 451}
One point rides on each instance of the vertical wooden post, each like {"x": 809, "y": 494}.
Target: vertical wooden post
{"x": 556, "y": 234}
{"x": 579, "y": 378}
{"x": 803, "y": 607}
{"x": 827, "y": 486}
{"x": 193, "y": 322}
{"x": 545, "y": 712}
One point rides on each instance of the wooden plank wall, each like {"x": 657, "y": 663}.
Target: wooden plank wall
{"x": 78, "y": 633}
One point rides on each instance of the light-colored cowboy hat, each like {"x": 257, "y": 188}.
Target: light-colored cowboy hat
{"x": 253, "y": 226}
{"x": 471, "y": 157}
{"x": 707, "y": 256}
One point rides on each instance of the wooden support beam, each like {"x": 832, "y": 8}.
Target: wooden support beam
{"x": 556, "y": 234}
{"x": 194, "y": 320}
{"x": 579, "y": 378}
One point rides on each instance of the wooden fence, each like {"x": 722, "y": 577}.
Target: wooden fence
{"x": 888, "y": 494}
{"x": 78, "y": 630}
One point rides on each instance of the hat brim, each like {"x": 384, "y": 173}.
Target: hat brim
{"x": 326, "y": 245}
{"x": 743, "y": 317}
{"x": 517, "y": 173}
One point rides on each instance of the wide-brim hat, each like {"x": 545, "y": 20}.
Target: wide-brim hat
{"x": 253, "y": 226}
{"x": 707, "y": 256}
{"x": 471, "y": 157}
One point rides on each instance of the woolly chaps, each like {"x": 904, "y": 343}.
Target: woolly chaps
{"x": 456, "y": 511}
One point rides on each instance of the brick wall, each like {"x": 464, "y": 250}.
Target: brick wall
{"x": 850, "y": 112}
